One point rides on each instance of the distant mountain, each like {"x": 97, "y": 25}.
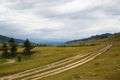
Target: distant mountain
{"x": 6, "y": 39}
{"x": 101, "y": 36}
{"x": 51, "y": 43}
{"x": 47, "y": 42}
{"x": 34, "y": 41}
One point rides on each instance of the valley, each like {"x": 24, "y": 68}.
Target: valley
{"x": 50, "y": 63}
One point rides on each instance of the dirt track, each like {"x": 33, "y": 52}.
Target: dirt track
{"x": 55, "y": 68}
{"x": 9, "y": 61}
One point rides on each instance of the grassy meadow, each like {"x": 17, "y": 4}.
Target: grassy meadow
{"x": 43, "y": 55}
{"x": 104, "y": 67}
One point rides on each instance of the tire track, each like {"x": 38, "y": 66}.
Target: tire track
{"x": 43, "y": 68}
{"x": 67, "y": 67}
{"x": 36, "y": 71}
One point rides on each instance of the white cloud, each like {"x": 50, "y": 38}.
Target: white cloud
{"x": 63, "y": 19}
{"x": 26, "y": 19}
{"x": 80, "y": 5}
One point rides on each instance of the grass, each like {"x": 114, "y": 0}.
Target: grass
{"x": 3, "y": 60}
{"x": 104, "y": 67}
{"x": 44, "y": 55}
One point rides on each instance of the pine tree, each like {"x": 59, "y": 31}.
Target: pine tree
{"x": 13, "y": 46}
{"x": 19, "y": 57}
{"x": 27, "y": 46}
{"x": 13, "y": 49}
{"x": 5, "y": 50}
{"x": 11, "y": 41}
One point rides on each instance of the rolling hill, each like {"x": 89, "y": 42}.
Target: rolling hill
{"x": 6, "y": 39}
{"x": 101, "y": 36}
{"x": 103, "y": 67}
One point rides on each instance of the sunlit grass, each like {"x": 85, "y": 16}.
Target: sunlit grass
{"x": 44, "y": 55}
{"x": 104, "y": 67}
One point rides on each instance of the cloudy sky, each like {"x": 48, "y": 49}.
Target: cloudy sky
{"x": 58, "y": 19}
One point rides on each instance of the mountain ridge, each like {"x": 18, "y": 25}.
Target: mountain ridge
{"x": 6, "y": 39}
{"x": 100, "y": 36}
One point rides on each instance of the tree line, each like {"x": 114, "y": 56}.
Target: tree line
{"x": 10, "y": 48}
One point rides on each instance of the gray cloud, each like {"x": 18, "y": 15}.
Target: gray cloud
{"x": 58, "y": 19}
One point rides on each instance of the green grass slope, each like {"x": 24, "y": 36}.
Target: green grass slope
{"x": 44, "y": 55}
{"x": 104, "y": 67}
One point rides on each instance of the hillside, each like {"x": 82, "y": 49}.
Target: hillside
{"x": 98, "y": 39}
{"x": 101, "y": 36}
{"x": 5, "y": 39}
{"x": 103, "y": 67}
{"x": 114, "y": 37}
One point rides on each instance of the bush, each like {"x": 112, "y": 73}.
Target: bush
{"x": 19, "y": 57}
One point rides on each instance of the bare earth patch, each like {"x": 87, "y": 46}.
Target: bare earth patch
{"x": 9, "y": 61}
